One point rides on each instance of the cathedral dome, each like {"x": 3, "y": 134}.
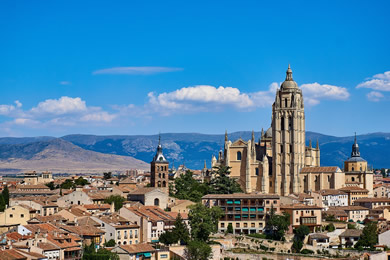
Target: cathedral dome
{"x": 289, "y": 83}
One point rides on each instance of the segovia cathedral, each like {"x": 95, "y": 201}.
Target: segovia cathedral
{"x": 280, "y": 162}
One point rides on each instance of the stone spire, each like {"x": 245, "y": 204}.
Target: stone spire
{"x": 355, "y": 149}
{"x": 226, "y": 136}
{"x": 289, "y": 74}
{"x": 310, "y": 145}
{"x": 317, "y": 145}
{"x": 159, "y": 153}
{"x": 262, "y": 132}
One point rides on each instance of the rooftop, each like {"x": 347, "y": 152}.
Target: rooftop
{"x": 241, "y": 196}
{"x": 319, "y": 169}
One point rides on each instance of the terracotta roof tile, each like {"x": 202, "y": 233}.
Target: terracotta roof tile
{"x": 319, "y": 169}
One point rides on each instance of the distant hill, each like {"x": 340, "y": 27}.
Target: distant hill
{"x": 189, "y": 148}
{"x": 192, "y": 148}
{"x": 59, "y": 156}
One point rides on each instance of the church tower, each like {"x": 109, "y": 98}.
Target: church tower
{"x": 159, "y": 168}
{"x": 288, "y": 138}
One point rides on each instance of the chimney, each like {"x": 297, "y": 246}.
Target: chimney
{"x": 112, "y": 208}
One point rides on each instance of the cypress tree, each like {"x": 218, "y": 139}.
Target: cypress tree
{"x": 2, "y": 203}
{"x": 5, "y": 194}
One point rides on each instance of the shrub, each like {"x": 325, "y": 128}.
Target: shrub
{"x": 307, "y": 252}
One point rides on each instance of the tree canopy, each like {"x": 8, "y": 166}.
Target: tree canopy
{"x": 107, "y": 175}
{"x": 117, "y": 199}
{"x": 369, "y": 237}
{"x": 101, "y": 254}
{"x": 5, "y": 194}
{"x": 276, "y": 225}
{"x": 197, "y": 250}
{"x": 187, "y": 188}
{"x": 300, "y": 233}
{"x": 203, "y": 221}
{"x": 179, "y": 233}
{"x": 221, "y": 183}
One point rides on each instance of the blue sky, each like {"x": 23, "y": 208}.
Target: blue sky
{"x": 140, "y": 67}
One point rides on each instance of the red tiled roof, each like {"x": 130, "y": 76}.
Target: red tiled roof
{"x": 139, "y": 248}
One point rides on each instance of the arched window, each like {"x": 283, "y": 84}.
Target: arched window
{"x": 353, "y": 178}
{"x": 238, "y": 156}
{"x": 164, "y": 184}
{"x": 159, "y": 184}
{"x": 159, "y": 175}
{"x": 353, "y": 168}
{"x": 124, "y": 242}
{"x": 164, "y": 175}
{"x": 328, "y": 178}
{"x": 156, "y": 202}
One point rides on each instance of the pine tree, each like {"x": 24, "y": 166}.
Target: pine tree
{"x": 181, "y": 230}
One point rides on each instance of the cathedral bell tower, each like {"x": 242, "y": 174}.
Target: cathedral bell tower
{"x": 159, "y": 168}
{"x": 288, "y": 138}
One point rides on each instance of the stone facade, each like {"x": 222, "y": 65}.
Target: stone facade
{"x": 280, "y": 162}
{"x": 159, "y": 170}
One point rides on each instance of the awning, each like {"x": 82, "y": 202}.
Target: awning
{"x": 147, "y": 254}
{"x": 237, "y": 202}
{"x": 253, "y": 209}
{"x": 260, "y": 209}
{"x": 244, "y": 209}
{"x": 244, "y": 216}
{"x": 237, "y": 216}
{"x": 229, "y": 202}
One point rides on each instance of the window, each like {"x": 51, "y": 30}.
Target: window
{"x": 353, "y": 178}
{"x": 281, "y": 148}
{"x": 11, "y": 215}
{"x": 22, "y": 215}
{"x": 222, "y": 225}
{"x": 238, "y": 225}
{"x": 159, "y": 175}
{"x": 257, "y": 171}
{"x": 164, "y": 184}
{"x": 282, "y": 123}
{"x": 290, "y": 121}
{"x": 245, "y": 225}
{"x": 156, "y": 202}
{"x": 253, "y": 225}
{"x": 285, "y": 102}
{"x": 238, "y": 156}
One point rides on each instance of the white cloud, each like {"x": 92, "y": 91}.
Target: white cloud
{"x": 208, "y": 98}
{"x": 374, "y": 96}
{"x": 379, "y": 82}
{"x": 9, "y": 110}
{"x": 98, "y": 117}
{"x": 136, "y": 70}
{"x": 314, "y": 92}
{"x": 63, "y": 105}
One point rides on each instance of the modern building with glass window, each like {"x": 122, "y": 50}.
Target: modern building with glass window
{"x": 245, "y": 212}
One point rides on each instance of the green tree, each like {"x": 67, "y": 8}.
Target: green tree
{"x": 276, "y": 225}
{"x": 2, "y": 203}
{"x": 81, "y": 182}
{"x": 51, "y": 185}
{"x": 300, "y": 233}
{"x": 67, "y": 184}
{"x": 110, "y": 243}
{"x": 203, "y": 221}
{"x": 168, "y": 238}
{"x": 351, "y": 226}
{"x": 181, "y": 230}
{"x": 330, "y": 227}
{"x": 369, "y": 237}
{"x": 107, "y": 175}
{"x": 221, "y": 183}
{"x": 101, "y": 254}
{"x": 5, "y": 194}
{"x": 229, "y": 229}
{"x": 197, "y": 250}
{"x": 117, "y": 199}
{"x": 187, "y": 188}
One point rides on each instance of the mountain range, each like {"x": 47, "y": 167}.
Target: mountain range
{"x": 93, "y": 153}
